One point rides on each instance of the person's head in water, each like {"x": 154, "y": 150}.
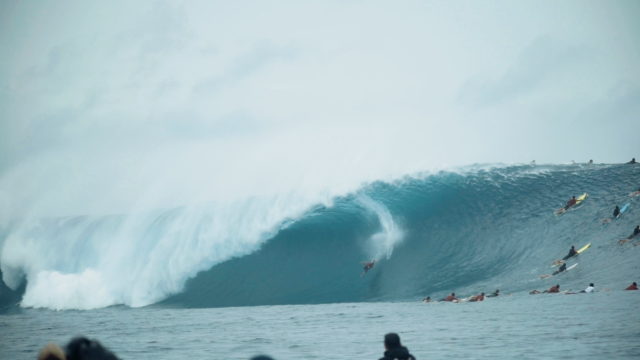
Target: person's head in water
{"x": 558, "y": 286}
{"x": 635, "y": 284}
{"x": 482, "y": 294}
{"x": 453, "y": 294}
{"x": 392, "y": 341}
{"x": 591, "y": 284}
{"x": 617, "y": 207}
{"x": 573, "y": 197}
{"x": 573, "y": 247}
{"x": 497, "y": 291}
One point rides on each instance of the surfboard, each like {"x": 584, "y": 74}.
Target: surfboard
{"x": 569, "y": 268}
{"x": 624, "y": 208}
{"x": 583, "y": 249}
{"x": 579, "y": 251}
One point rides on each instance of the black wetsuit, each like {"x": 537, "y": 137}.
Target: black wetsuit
{"x": 633, "y": 161}
{"x": 563, "y": 267}
{"x": 493, "y": 295}
{"x": 400, "y": 353}
{"x": 636, "y": 231}
{"x": 616, "y": 212}
{"x": 572, "y": 252}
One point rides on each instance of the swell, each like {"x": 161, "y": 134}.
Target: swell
{"x": 465, "y": 231}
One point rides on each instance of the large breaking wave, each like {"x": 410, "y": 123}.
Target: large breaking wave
{"x": 469, "y": 230}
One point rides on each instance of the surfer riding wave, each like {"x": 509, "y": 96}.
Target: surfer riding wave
{"x": 367, "y": 266}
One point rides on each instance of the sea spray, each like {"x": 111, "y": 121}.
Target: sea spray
{"x": 381, "y": 244}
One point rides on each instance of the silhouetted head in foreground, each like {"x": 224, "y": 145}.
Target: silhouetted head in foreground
{"x": 51, "y": 351}
{"x": 392, "y": 341}
{"x": 82, "y": 348}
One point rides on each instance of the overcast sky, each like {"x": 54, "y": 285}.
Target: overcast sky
{"x": 112, "y": 105}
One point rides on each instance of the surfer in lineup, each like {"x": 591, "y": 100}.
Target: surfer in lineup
{"x": 635, "y": 193}
{"x": 495, "y": 294}
{"x": 451, "y": 297}
{"x": 367, "y": 266}
{"x": 572, "y": 253}
{"x": 589, "y": 289}
{"x": 571, "y": 202}
{"x": 632, "y": 287}
{"x": 562, "y": 268}
{"x": 616, "y": 211}
{"x": 428, "y": 299}
{"x": 633, "y": 161}
{"x": 553, "y": 289}
{"x": 478, "y": 297}
{"x": 635, "y": 233}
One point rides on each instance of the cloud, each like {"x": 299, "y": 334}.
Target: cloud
{"x": 546, "y": 62}
{"x": 260, "y": 55}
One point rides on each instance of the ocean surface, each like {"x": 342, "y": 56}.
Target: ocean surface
{"x": 584, "y": 326}
{"x": 282, "y": 275}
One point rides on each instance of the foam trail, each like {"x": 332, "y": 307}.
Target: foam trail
{"x": 382, "y": 243}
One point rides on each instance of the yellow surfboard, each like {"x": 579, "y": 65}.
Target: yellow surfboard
{"x": 584, "y": 248}
{"x": 579, "y": 200}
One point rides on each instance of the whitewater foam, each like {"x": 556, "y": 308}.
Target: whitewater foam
{"x": 136, "y": 260}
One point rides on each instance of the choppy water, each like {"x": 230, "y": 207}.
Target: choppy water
{"x": 585, "y": 326}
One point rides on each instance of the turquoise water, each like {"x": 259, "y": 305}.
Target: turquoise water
{"x": 584, "y": 326}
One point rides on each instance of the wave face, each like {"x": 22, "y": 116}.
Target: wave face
{"x": 470, "y": 230}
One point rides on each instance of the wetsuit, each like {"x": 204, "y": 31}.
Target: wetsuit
{"x": 632, "y": 287}
{"x": 633, "y": 161}
{"x": 495, "y": 294}
{"x": 572, "y": 253}
{"x": 399, "y": 353}
{"x": 616, "y": 212}
{"x": 561, "y": 269}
